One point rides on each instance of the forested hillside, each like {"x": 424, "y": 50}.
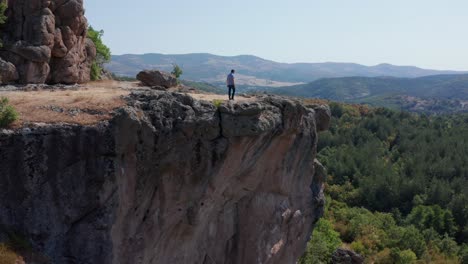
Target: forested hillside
{"x": 397, "y": 187}
{"x": 355, "y": 88}
{"x": 430, "y": 94}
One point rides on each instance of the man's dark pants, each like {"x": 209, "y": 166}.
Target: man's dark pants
{"x": 232, "y": 88}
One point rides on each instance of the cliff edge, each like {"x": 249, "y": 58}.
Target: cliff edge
{"x": 169, "y": 179}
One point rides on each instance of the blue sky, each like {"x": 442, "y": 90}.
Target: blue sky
{"x": 424, "y": 33}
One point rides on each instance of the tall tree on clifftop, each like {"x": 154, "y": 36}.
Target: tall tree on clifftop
{"x": 103, "y": 53}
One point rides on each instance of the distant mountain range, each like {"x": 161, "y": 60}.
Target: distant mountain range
{"x": 256, "y": 72}
{"x": 357, "y": 88}
{"x": 436, "y": 93}
{"x": 403, "y": 87}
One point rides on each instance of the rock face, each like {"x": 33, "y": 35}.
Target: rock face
{"x": 46, "y": 41}
{"x": 168, "y": 180}
{"x": 158, "y": 79}
{"x": 8, "y": 72}
{"x": 345, "y": 256}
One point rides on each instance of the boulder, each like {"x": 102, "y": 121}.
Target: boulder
{"x": 46, "y": 41}
{"x": 31, "y": 53}
{"x": 8, "y": 72}
{"x": 346, "y": 256}
{"x": 156, "y": 78}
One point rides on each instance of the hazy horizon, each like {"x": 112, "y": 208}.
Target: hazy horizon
{"x": 425, "y": 34}
{"x": 297, "y": 62}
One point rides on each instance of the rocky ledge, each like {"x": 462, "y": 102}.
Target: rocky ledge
{"x": 169, "y": 179}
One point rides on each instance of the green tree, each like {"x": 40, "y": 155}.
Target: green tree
{"x": 322, "y": 245}
{"x": 463, "y": 254}
{"x": 176, "y": 71}
{"x": 103, "y": 53}
{"x": 425, "y": 217}
{"x": 3, "y": 7}
{"x": 448, "y": 246}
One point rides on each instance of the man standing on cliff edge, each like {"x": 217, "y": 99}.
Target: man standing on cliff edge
{"x": 231, "y": 84}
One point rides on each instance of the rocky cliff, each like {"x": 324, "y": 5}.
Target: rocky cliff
{"x": 169, "y": 179}
{"x": 46, "y": 41}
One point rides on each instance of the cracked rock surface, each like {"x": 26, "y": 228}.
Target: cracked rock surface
{"x": 46, "y": 41}
{"x": 169, "y": 179}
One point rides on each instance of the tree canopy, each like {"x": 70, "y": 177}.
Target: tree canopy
{"x": 397, "y": 186}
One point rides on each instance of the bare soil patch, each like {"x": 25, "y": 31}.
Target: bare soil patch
{"x": 85, "y": 104}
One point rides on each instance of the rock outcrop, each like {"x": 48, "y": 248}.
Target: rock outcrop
{"x": 157, "y": 79}
{"x": 346, "y": 256}
{"x": 168, "y": 180}
{"x": 46, "y": 41}
{"x": 8, "y": 72}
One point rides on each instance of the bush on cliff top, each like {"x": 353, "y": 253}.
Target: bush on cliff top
{"x": 103, "y": 53}
{"x": 176, "y": 71}
{"x": 8, "y": 114}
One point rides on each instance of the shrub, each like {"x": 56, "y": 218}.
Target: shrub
{"x": 176, "y": 71}
{"x": 217, "y": 102}
{"x": 464, "y": 254}
{"x": 403, "y": 257}
{"x": 103, "y": 53}
{"x": 359, "y": 248}
{"x": 95, "y": 71}
{"x": 8, "y": 114}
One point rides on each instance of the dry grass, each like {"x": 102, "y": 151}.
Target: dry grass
{"x": 7, "y": 256}
{"x": 315, "y": 101}
{"x": 85, "y": 105}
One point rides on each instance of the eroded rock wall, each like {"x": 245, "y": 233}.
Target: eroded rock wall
{"x": 46, "y": 41}
{"x": 169, "y": 180}
{"x": 58, "y": 190}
